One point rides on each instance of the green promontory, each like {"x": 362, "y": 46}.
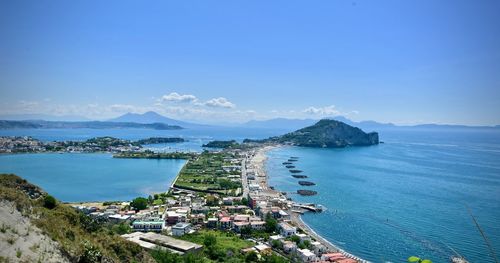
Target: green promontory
{"x": 327, "y": 134}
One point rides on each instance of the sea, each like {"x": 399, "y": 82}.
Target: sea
{"x": 416, "y": 194}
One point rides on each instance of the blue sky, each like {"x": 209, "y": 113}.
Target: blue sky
{"x": 230, "y": 61}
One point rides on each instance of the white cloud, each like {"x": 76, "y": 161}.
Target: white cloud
{"x": 176, "y": 97}
{"x": 327, "y": 110}
{"x": 220, "y": 103}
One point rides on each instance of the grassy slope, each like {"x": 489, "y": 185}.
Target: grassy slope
{"x": 78, "y": 236}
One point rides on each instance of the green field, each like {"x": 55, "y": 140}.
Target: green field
{"x": 205, "y": 173}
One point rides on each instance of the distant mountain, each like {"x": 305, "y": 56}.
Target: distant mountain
{"x": 294, "y": 124}
{"x": 326, "y": 133}
{"x": 44, "y": 117}
{"x": 5, "y": 124}
{"x": 150, "y": 117}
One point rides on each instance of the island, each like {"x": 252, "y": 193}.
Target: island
{"x": 221, "y": 144}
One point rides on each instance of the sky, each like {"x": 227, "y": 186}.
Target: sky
{"x": 405, "y": 62}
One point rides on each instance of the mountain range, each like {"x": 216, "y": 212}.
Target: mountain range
{"x": 276, "y": 123}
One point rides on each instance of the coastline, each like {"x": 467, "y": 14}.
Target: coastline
{"x": 259, "y": 162}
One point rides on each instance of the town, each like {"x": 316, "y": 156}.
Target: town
{"x": 26, "y": 144}
{"x": 221, "y": 195}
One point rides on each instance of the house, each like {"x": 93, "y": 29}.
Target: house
{"x": 225, "y": 223}
{"x": 227, "y": 201}
{"x": 211, "y": 223}
{"x": 180, "y": 229}
{"x": 289, "y": 247}
{"x": 286, "y": 229}
{"x": 284, "y": 215}
{"x": 155, "y": 225}
{"x": 318, "y": 248}
{"x": 262, "y": 248}
{"x": 258, "y": 225}
{"x": 303, "y": 237}
{"x": 241, "y": 218}
{"x": 275, "y": 238}
{"x": 306, "y": 255}
{"x": 173, "y": 218}
{"x": 118, "y": 218}
{"x": 237, "y": 226}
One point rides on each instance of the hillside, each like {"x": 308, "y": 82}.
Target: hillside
{"x": 31, "y": 232}
{"x": 4, "y": 124}
{"x": 327, "y": 134}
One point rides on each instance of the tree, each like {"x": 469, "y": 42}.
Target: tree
{"x": 295, "y": 239}
{"x": 212, "y": 200}
{"x": 251, "y": 257}
{"x": 271, "y": 223}
{"x": 49, "y": 202}
{"x": 139, "y": 203}
{"x": 209, "y": 240}
{"x": 244, "y": 201}
{"x": 246, "y": 231}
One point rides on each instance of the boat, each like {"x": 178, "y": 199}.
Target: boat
{"x": 457, "y": 259}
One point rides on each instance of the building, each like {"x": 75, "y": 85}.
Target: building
{"x": 287, "y": 230}
{"x": 318, "y": 248}
{"x": 258, "y": 225}
{"x": 153, "y": 225}
{"x": 306, "y": 255}
{"x": 225, "y": 223}
{"x": 153, "y": 241}
{"x": 211, "y": 223}
{"x": 289, "y": 247}
{"x": 303, "y": 237}
{"x": 180, "y": 229}
{"x": 263, "y": 248}
{"x": 237, "y": 226}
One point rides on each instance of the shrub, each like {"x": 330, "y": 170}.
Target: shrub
{"x": 49, "y": 202}
{"x": 139, "y": 203}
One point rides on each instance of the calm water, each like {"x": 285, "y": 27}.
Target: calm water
{"x": 92, "y": 177}
{"x": 405, "y": 197}
{"x": 384, "y": 203}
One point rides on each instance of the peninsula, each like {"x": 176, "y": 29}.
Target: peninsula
{"x": 40, "y": 124}
{"x": 325, "y": 133}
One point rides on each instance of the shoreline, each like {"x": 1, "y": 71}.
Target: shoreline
{"x": 259, "y": 162}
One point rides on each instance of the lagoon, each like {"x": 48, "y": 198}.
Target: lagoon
{"x": 73, "y": 177}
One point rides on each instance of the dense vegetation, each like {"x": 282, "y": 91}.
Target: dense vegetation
{"x": 205, "y": 173}
{"x": 222, "y": 144}
{"x": 81, "y": 238}
{"x": 325, "y": 133}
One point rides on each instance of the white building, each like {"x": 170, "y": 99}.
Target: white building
{"x": 289, "y": 247}
{"x": 287, "y": 230}
{"x": 318, "y": 248}
{"x": 306, "y": 255}
{"x": 180, "y": 229}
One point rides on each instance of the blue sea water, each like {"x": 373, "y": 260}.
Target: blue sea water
{"x": 74, "y": 177}
{"x": 405, "y": 197}
{"x": 384, "y": 203}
